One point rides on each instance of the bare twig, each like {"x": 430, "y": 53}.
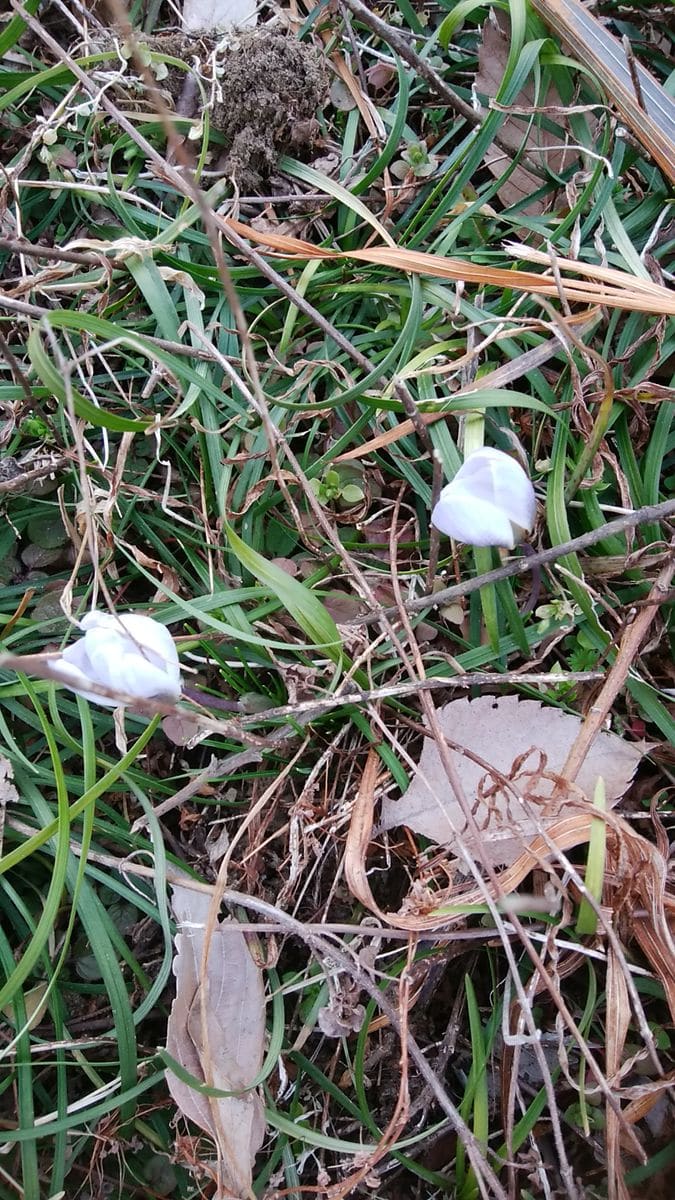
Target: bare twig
{"x": 628, "y": 649}
{"x": 641, "y": 516}
{"x": 51, "y": 253}
{"x": 22, "y": 481}
{"x": 24, "y": 309}
{"x": 401, "y": 46}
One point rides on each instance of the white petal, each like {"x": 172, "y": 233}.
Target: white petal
{"x": 105, "y": 650}
{"x": 514, "y": 493}
{"x": 494, "y": 480}
{"x": 143, "y": 632}
{"x": 135, "y": 675}
{"x": 132, "y": 633}
{"x": 477, "y": 470}
{"x": 75, "y": 656}
{"x": 75, "y": 671}
{"x": 99, "y": 620}
{"x": 487, "y": 472}
{"x": 521, "y": 507}
{"x": 132, "y": 655}
{"x": 118, "y": 663}
{"x": 153, "y": 637}
{"x": 468, "y": 519}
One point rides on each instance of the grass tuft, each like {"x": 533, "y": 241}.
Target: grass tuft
{"x": 233, "y": 412}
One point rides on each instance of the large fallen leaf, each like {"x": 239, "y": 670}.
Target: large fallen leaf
{"x": 521, "y": 747}
{"x": 547, "y": 147}
{"x": 216, "y": 1031}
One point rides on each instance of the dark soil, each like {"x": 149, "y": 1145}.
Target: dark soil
{"x": 270, "y": 86}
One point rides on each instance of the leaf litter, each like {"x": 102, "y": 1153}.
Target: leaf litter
{"x": 512, "y": 755}
{"x": 523, "y": 130}
{"x": 631, "y": 882}
{"x": 216, "y": 1031}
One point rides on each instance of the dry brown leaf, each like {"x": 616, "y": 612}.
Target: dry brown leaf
{"x": 169, "y": 577}
{"x": 492, "y": 56}
{"x": 526, "y": 743}
{"x": 253, "y": 496}
{"x": 216, "y": 1031}
{"x": 651, "y": 116}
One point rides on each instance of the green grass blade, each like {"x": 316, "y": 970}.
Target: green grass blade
{"x": 587, "y": 920}
{"x": 305, "y": 608}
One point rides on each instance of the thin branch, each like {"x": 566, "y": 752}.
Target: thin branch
{"x": 629, "y": 646}
{"x": 51, "y": 253}
{"x": 267, "y": 271}
{"x": 356, "y": 695}
{"x": 401, "y": 46}
{"x": 641, "y": 516}
{"x": 24, "y": 309}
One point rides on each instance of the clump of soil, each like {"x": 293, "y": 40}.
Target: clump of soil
{"x": 269, "y": 86}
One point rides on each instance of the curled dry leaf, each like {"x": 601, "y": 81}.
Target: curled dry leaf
{"x": 253, "y": 495}
{"x": 643, "y": 899}
{"x": 343, "y": 1014}
{"x": 216, "y": 1031}
{"x": 521, "y": 747}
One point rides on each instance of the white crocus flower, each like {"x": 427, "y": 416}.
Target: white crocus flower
{"x": 490, "y": 502}
{"x": 209, "y": 16}
{"x": 130, "y": 655}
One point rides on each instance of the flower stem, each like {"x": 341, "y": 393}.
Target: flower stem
{"x": 473, "y": 439}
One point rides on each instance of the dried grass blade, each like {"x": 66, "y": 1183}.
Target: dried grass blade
{"x": 653, "y": 125}
{"x": 359, "y": 835}
{"x": 609, "y": 275}
{"x": 617, "y": 290}
{"x": 362, "y": 102}
{"x": 653, "y": 930}
{"x": 617, "y": 1026}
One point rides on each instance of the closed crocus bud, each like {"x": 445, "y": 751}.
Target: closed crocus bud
{"x": 490, "y": 502}
{"x": 131, "y": 655}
